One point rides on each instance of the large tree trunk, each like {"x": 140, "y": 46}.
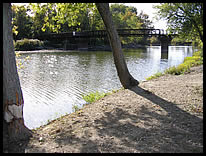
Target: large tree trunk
{"x": 13, "y": 123}
{"x": 125, "y": 77}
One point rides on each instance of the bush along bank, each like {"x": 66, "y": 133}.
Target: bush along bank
{"x": 195, "y": 60}
{"x": 28, "y": 44}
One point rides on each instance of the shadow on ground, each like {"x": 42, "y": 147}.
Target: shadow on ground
{"x": 123, "y": 131}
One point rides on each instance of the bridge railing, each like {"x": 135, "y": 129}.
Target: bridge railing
{"x": 122, "y": 32}
{"x": 103, "y": 33}
{"x": 139, "y": 31}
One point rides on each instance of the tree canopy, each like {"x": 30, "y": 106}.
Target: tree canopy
{"x": 184, "y": 18}
{"x": 65, "y": 17}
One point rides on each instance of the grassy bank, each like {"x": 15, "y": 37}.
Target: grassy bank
{"x": 195, "y": 60}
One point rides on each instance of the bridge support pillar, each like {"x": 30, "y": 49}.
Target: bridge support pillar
{"x": 164, "y": 42}
{"x": 65, "y": 44}
{"x": 82, "y": 43}
{"x": 164, "y": 47}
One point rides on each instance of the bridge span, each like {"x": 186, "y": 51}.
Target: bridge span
{"x": 83, "y": 37}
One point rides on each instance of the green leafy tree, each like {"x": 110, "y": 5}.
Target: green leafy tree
{"x": 41, "y": 14}
{"x": 184, "y": 18}
{"x": 57, "y": 14}
{"x": 96, "y": 20}
{"x": 127, "y": 17}
{"x": 21, "y": 22}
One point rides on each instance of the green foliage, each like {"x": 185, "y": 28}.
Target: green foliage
{"x": 127, "y": 17}
{"x": 93, "y": 96}
{"x": 66, "y": 17}
{"x": 153, "y": 40}
{"x": 75, "y": 108}
{"x": 55, "y": 15}
{"x": 20, "y": 62}
{"x": 182, "y": 68}
{"x": 184, "y": 18}
{"x": 27, "y": 44}
{"x": 158, "y": 74}
{"x": 21, "y": 22}
{"x": 198, "y": 53}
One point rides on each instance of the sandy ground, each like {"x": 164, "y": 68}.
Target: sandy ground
{"x": 161, "y": 115}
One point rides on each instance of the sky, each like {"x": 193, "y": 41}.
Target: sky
{"x": 146, "y": 8}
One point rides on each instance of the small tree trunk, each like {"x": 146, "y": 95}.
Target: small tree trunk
{"x": 125, "y": 77}
{"x": 12, "y": 94}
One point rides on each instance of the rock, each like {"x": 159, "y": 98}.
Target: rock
{"x": 41, "y": 139}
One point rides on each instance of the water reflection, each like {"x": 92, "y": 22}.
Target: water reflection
{"x": 53, "y": 82}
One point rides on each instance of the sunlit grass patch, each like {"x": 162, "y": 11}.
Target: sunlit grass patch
{"x": 158, "y": 74}
{"x": 182, "y": 68}
{"x": 93, "y": 96}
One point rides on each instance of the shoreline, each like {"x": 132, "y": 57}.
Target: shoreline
{"x": 193, "y": 69}
{"x": 44, "y": 51}
{"x": 79, "y": 50}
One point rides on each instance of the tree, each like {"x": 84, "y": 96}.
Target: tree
{"x": 125, "y": 77}
{"x": 57, "y": 14}
{"x": 184, "y": 18}
{"x": 22, "y": 21}
{"x": 13, "y": 102}
{"x": 127, "y": 17}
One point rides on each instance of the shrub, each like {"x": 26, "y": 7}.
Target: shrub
{"x": 28, "y": 44}
{"x": 93, "y": 96}
{"x": 198, "y": 53}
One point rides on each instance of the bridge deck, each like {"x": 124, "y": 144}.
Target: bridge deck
{"x": 103, "y": 33}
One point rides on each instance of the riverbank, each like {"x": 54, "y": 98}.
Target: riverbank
{"x": 161, "y": 115}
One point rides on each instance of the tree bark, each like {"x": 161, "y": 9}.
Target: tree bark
{"x": 125, "y": 77}
{"x": 12, "y": 94}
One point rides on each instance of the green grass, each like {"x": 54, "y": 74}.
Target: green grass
{"x": 75, "y": 108}
{"x": 158, "y": 74}
{"x": 181, "y": 69}
{"x": 195, "y": 60}
{"x": 95, "y": 96}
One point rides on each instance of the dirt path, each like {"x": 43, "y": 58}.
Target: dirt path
{"x": 161, "y": 115}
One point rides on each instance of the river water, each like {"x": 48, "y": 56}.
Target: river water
{"x": 52, "y": 83}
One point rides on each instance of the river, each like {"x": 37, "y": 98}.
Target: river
{"x": 52, "y": 83}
